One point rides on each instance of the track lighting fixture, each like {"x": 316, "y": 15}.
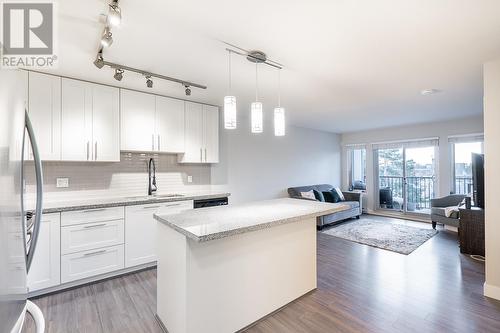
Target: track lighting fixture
{"x": 114, "y": 14}
{"x": 99, "y": 61}
{"x": 118, "y": 74}
{"x": 149, "y": 82}
{"x": 107, "y": 38}
{"x": 188, "y": 91}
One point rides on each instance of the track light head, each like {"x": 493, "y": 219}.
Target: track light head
{"x": 118, "y": 74}
{"x": 114, "y": 14}
{"x": 188, "y": 91}
{"x": 149, "y": 82}
{"x": 99, "y": 61}
{"x": 107, "y": 38}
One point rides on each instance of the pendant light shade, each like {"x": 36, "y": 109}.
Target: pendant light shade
{"x": 229, "y": 102}
{"x": 229, "y": 112}
{"x": 279, "y": 121}
{"x": 279, "y": 112}
{"x": 257, "y": 121}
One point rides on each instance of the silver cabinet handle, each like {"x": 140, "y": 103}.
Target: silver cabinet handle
{"x": 152, "y": 142}
{"x": 201, "y": 155}
{"x": 93, "y": 210}
{"x": 151, "y": 207}
{"x": 88, "y": 143}
{"x": 94, "y": 253}
{"x": 158, "y": 142}
{"x": 94, "y": 226}
{"x": 205, "y": 154}
{"x": 39, "y": 192}
{"x": 95, "y": 152}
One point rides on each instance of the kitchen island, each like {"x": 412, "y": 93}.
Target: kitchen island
{"x": 220, "y": 269}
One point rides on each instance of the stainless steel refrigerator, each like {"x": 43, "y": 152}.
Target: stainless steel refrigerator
{"x": 18, "y": 230}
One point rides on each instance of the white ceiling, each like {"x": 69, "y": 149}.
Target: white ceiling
{"x": 349, "y": 65}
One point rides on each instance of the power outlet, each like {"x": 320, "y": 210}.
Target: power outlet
{"x": 62, "y": 182}
{"x": 190, "y": 179}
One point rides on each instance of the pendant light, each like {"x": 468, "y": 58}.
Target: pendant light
{"x": 279, "y": 112}
{"x": 256, "y": 108}
{"x": 229, "y": 103}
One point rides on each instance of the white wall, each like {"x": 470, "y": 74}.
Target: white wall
{"x": 418, "y": 131}
{"x": 492, "y": 176}
{"x": 262, "y": 166}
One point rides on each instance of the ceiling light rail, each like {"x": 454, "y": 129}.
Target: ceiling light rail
{"x": 253, "y": 56}
{"x": 100, "y": 63}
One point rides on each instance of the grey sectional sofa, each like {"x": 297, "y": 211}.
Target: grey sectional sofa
{"x": 353, "y": 201}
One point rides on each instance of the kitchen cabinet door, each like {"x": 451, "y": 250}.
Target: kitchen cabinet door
{"x": 105, "y": 124}
{"x": 170, "y": 125}
{"x": 211, "y": 134}
{"x": 140, "y": 230}
{"x": 76, "y": 130}
{"x": 194, "y": 152}
{"x": 46, "y": 266}
{"x": 45, "y": 114}
{"x": 137, "y": 121}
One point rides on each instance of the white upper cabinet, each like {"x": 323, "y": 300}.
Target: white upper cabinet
{"x": 151, "y": 123}
{"x": 105, "y": 123}
{"x": 45, "y": 114}
{"x": 193, "y": 134}
{"x": 90, "y": 122}
{"x": 137, "y": 121}
{"x": 76, "y": 130}
{"x": 201, "y": 134}
{"x": 211, "y": 133}
{"x": 170, "y": 125}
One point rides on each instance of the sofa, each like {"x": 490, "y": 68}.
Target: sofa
{"x": 438, "y": 210}
{"x": 352, "y": 201}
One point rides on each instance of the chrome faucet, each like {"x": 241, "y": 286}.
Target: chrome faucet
{"x": 152, "y": 177}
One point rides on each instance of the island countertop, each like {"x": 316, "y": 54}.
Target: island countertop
{"x": 213, "y": 223}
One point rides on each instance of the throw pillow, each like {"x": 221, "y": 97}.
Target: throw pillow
{"x": 308, "y": 195}
{"x": 331, "y": 196}
{"x": 319, "y": 196}
{"x": 339, "y": 193}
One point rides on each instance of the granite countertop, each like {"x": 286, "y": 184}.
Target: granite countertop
{"x": 213, "y": 223}
{"x": 105, "y": 202}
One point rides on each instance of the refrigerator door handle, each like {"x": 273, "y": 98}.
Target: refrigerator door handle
{"x": 39, "y": 192}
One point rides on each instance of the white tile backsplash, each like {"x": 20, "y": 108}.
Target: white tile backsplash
{"x": 128, "y": 177}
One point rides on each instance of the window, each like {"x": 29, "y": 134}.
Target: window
{"x": 462, "y": 165}
{"x": 357, "y": 168}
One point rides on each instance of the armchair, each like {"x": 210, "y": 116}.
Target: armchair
{"x": 438, "y": 206}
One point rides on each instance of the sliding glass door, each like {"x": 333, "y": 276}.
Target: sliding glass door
{"x": 406, "y": 176}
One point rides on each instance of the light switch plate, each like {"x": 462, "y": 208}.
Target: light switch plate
{"x": 62, "y": 182}
{"x": 190, "y": 179}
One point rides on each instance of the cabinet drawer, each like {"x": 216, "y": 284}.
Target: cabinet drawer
{"x": 90, "y": 236}
{"x": 91, "y": 215}
{"x": 174, "y": 207}
{"x": 85, "y": 264}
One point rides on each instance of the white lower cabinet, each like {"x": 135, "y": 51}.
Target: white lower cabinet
{"x": 86, "y": 264}
{"x": 90, "y": 236}
{"x": 46, "y": 266}
{"x": 140, "y": 230}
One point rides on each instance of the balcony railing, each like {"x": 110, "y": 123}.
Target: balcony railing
{"x": 463, "y": 185}
{"x": 420, "y": 190}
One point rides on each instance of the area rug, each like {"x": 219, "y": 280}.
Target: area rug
{"x": 385, "y": 235}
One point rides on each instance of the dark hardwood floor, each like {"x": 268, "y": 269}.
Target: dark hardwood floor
{"x": 360, "y": 289}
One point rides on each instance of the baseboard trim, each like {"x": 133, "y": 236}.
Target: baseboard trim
{"x": 491, "y": 291}
{"x": 90, "y": 280}
{"x": 409, "y": 217}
